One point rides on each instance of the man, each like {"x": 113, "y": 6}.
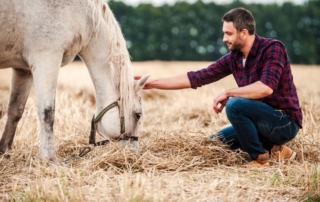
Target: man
{"x": 264, "y": 110}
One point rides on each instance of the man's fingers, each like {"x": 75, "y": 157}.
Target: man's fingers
{"x": 221, "y": 107}
{"x": 137, "y": 77}
{"x": 218, "y": 107}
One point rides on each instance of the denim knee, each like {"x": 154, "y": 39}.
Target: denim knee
{"x": 234, "y": 104}
{"x": 227, "y": 134}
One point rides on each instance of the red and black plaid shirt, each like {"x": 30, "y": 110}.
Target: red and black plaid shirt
{"x": 267, "y": 62}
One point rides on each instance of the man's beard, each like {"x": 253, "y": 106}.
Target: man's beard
{"x": 237, "y": 45}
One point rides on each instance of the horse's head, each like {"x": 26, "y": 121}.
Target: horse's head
{"x": 119, "y": 121}
{"x": 137, "y": 110}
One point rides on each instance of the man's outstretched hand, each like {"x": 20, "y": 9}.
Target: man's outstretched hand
{"x": 147, "y": 85}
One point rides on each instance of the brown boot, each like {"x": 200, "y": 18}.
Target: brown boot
{"x": 261, "y": 161}
{"x": 281, "y": 152}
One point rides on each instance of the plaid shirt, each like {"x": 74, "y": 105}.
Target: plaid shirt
{"x": 267, "y": 62}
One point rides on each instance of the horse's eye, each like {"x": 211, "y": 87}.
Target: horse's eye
{"x": 137, "y": 116}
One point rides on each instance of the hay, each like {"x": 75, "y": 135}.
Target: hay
{"x": 176, "y": 160}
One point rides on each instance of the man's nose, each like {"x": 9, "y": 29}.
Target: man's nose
{"x": 225, "y": 39}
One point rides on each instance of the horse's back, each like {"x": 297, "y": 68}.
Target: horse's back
{"x": 30, "y": 28}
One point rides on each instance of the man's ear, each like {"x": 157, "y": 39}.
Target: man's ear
{"x": 139, "y": 84}
{"x": 244, "y": 33}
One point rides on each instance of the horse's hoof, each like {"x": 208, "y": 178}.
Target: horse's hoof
{"x": 5, "y": 152}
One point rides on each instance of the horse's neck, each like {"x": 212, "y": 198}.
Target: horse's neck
{"x": 110, "y": 69}
{"x": 106, "y": 93}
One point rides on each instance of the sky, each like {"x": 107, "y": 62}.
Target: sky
{"x": 170, "y": 2}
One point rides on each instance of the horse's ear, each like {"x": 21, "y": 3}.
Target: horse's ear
{"x": 139, "y": 84}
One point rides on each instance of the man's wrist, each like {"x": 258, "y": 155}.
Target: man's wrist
{"x": 227, "y": 93}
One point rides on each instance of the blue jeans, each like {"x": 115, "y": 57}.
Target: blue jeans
{"x": 256, "y": 126}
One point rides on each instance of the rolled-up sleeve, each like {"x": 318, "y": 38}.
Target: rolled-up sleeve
{"x": 212, "y": 73}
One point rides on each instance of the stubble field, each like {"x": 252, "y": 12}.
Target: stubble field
{"x": 175, "y": 162}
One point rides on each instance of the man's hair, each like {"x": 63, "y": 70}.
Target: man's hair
{"x": 242, "y": 19}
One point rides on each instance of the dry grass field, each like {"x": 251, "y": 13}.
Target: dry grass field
{"x": 176, "y": 161}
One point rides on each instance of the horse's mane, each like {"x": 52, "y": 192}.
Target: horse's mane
{"x": 119, "y": 58}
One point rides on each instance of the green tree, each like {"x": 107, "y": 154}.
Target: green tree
{"x": 187, "y": 31}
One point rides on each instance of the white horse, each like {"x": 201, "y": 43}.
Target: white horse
{"x": 37, "y": 37}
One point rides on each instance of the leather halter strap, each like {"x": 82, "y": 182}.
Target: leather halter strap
{"x": 92, "y": 138}
{"x": 123, "y": 136}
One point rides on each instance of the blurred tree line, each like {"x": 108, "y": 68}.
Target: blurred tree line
{"x": 193, "y": 31}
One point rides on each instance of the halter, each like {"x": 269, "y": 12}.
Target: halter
{"x": 92, "y": 138}
{"x": 123, "y": 136}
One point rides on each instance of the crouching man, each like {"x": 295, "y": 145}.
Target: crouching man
{"x": 264, "y": 110}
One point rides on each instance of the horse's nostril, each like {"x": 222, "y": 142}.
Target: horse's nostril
{"x": 138, "y": 115}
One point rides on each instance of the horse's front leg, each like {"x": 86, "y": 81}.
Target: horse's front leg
{"x": 21, "y": 83}
{"x": 45, "y": 76}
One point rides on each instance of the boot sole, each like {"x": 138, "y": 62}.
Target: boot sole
{"x": 292, "y": 157}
